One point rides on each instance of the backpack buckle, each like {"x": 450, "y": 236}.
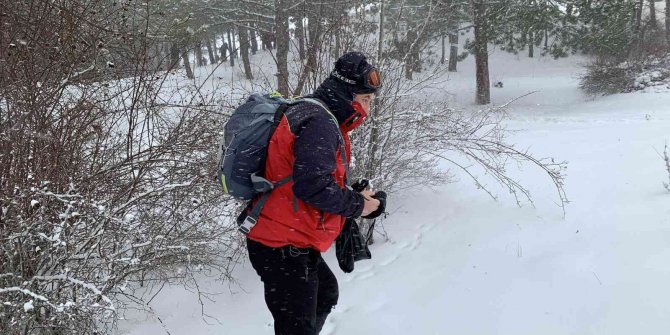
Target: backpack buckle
{"x": 248, "y": 223}
{"x": 261, "y": 185}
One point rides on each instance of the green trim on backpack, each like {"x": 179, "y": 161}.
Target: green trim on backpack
{"x": 223, "y": 183}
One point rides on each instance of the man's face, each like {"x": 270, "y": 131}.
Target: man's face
{"x": 365, "y": 100}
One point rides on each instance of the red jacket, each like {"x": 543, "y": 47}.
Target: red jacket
{"x": 308, "y": 211}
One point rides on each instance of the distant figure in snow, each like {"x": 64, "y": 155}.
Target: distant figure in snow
{"x": 302, "y": 218}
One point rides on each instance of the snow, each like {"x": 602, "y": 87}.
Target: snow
{"x": 62, "y": 307}
{"x": 457, "y": 262}
{"x": 28, "y": 306}
{"x": 656, "y": 80}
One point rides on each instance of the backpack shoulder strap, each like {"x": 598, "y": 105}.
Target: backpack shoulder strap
{"x": 279, "y": 113}
{"x": 260, "y": 183}
{"x": 322, "y": 105}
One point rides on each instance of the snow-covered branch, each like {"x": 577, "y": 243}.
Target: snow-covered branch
{"x": 161, "y": 189}
{"x": 24, "y": 291}
{"x": 81, "y": 283}
{"x": 75, "y": 75}
{"x": 666, "y": 158}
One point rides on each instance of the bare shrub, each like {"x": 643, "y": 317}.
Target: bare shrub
{"x": 609, "y": 77}
{"x": 604, "y": 77}
{"x": 106, "y": 183}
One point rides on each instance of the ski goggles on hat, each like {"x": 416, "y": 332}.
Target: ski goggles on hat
{"x": 370, "y": 79}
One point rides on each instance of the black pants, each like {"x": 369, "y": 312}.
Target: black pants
{"x": 300, "y": 289}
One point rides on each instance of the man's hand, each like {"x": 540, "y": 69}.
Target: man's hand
{"x": 370, "y": 204}
{"x": 381, "y": 207}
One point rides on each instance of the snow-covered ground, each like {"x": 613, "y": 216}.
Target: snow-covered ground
{"x": 457, "y": 262}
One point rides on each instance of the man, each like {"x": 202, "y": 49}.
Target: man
{"x": 303, "y": 217}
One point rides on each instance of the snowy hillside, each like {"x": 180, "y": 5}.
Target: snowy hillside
{"x": 457, "y": 262}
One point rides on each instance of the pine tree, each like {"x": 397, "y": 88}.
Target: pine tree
{"x": 606, "y": 28}
{"x": 452, "y": 14}
{"x": 520, "y": 24}
{"x": 479, "y": 8}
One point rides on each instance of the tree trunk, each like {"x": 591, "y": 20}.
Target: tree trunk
{"x": 234, "y": 46}
{"x": 198, "y": 54}
{"x": 481, "y": 53}
{"x": 338, "y": 43}
{"x": 414, "y": 51}
{"x": 637, "y": 43}
{"x": 267, "y": 40}
{"x": 408, "y": 68}
{"x": 231, "y": 48}
{"x": 453, "y": 52}
{"x": 416, "y": 61}
{"x": 531, "y": 44}
{"x": 300, "y": 36}
{"x": 174, "y": 56}
{"x": 652, "y": 14}
{"x": 223, "y": 49}
{"x": 380, "y": 45}
{"x": 244, "y": 51}
{"x": 443, "y": 58}
{"x": 254, "y": 41}
{"x": 208, "y": 44}
{"x": 667, "y": 22}
{"x": 312, "y": 25}
{"x": 546, "y": 40}
{"x": 316, "y": 36}
{"x": 638, "y": 15}
{"x": 217, "y": 56}
{"x": 409, "y": 53}
{"x": 153, "y": 58}
{"x": 282, "y": 38}
{"x": 163, "y": 62}
{"x": 187, "y": 63}
{"x": 264, "y": 39}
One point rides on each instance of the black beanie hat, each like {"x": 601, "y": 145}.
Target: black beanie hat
{"x": 350, "y": 69}
{"x": 345, "y": 81}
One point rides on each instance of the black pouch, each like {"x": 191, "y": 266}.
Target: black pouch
{"x": 351, "y": 246}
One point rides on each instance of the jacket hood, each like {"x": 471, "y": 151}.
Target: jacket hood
{"x": 337, "y": 97}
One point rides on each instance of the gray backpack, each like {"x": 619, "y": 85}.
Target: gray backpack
{"x": 245, "y": 143}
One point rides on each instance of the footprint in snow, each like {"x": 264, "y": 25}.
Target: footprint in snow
{"x": 365, "y": 275}
{"x": 417, "y": 241}
{"x": 328, "y": 327}
{"x": 404, "y": 245}
{"x": 389, "y": 260}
